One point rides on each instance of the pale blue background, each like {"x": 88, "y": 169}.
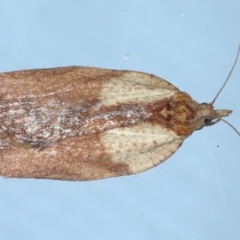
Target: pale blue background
{"x": 193, "y": 195}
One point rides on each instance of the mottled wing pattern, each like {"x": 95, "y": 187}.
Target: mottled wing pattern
{"x": 78, "y": 123}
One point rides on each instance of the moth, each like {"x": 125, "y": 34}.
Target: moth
{"x": 84, "y": 123}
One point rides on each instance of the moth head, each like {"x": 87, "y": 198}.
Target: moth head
{"x": 208, "y": 116}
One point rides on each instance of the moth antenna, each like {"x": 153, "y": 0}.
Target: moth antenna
{"x": 228, "y": 77}
{"x": 230, "y": 126}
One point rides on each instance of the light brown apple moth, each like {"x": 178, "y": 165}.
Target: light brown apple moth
{"x": 84, "y": 123}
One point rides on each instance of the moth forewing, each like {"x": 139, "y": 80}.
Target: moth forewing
{"x": 79, "y": 123}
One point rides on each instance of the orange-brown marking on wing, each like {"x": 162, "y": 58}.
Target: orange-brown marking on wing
{"x": 73, "y": 159}
{"x": 70, "y": 84}
{"x": 177, "y": 113}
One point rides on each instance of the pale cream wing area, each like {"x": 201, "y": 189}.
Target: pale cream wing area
{"x": 140, "y": 147}
{"x": 135, "y": 87}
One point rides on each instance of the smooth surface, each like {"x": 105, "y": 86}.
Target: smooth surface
{"x": 194, "y": 194}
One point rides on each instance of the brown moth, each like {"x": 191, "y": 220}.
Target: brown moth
{"x": 83, "y": 123}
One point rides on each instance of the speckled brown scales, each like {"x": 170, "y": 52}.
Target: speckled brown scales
{"x": 79, "y": 123}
